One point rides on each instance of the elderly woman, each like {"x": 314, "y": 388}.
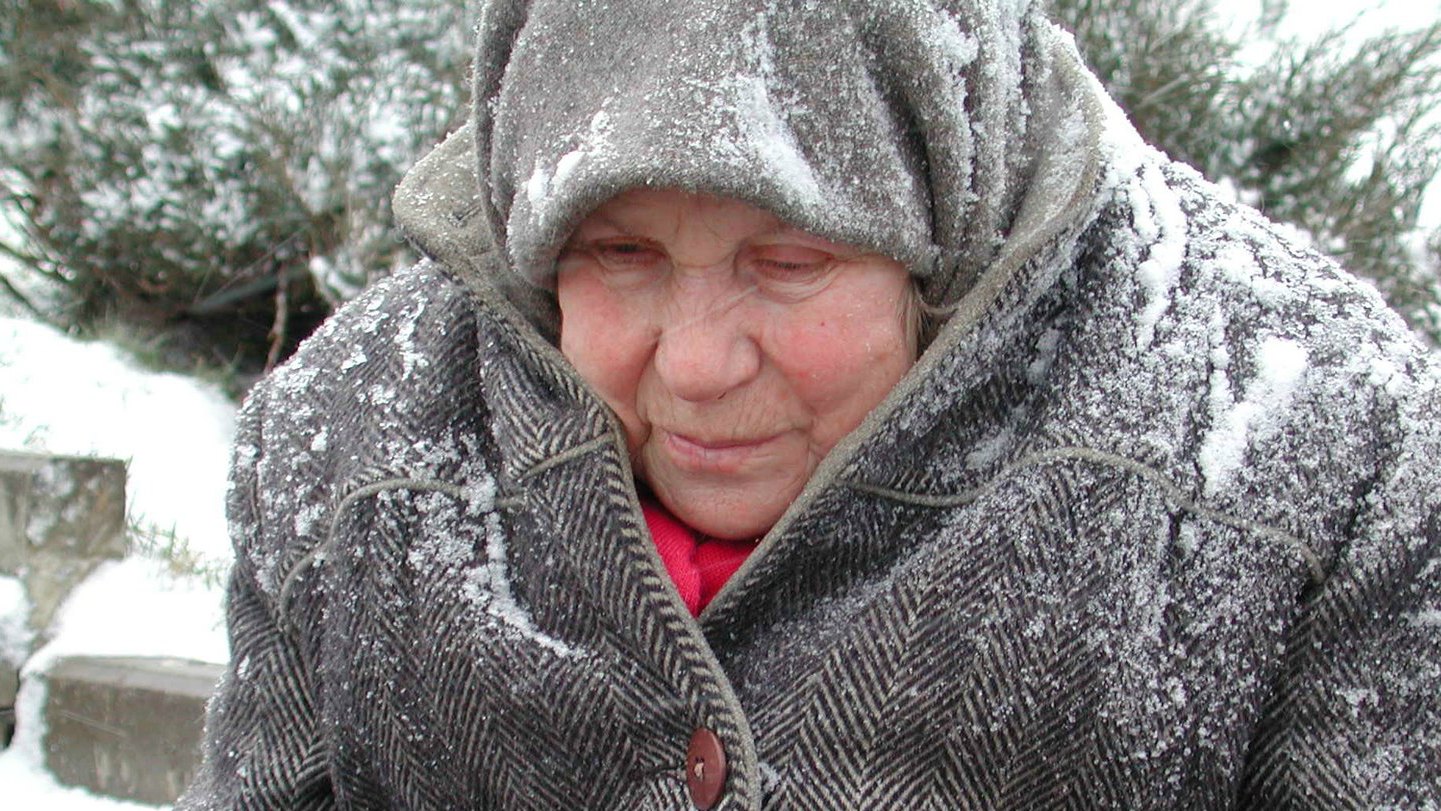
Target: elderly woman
{"x": 831, "y": 405}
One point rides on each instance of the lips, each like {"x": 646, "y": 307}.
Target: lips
{"x": 713, "y": 455}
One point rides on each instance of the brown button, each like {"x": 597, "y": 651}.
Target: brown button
{"x": 705, "y": 768}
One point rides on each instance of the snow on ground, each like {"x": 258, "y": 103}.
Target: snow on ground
{"x": 136, "y": 607}
{"x": 127, "y": 608}
{"x": 60, "y": 395}
{"x": 63, "y": 396}
{"x": 30, "y": 788}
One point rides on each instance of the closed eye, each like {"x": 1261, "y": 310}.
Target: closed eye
{"x": 627, "y": 253}
{"x": 791, "y": 271}
{"x": 619, "y": 261}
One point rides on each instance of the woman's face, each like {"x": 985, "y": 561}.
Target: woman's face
{"x": 736, "y": 350}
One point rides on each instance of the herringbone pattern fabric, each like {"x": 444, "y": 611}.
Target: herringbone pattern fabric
{"x": 1030, "y": 586}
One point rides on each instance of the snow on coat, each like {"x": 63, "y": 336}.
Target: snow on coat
{"x": 1155, "y": 522}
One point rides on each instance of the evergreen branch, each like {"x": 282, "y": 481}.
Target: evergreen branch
{"x": 20, "y": 298}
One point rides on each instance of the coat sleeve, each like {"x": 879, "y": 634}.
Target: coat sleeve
{"x": 1355, "y": 722}
{"x": 262, "y": 747}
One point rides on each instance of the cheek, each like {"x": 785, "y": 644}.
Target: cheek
{"x": 842, "y": 362}
{"x": 603, "y": 339}
{"x": 835, "y": 359}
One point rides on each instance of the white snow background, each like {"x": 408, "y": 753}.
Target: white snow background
{"x": 59, "y": 395}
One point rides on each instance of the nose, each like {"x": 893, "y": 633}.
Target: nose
{"x": 707, "y": 344}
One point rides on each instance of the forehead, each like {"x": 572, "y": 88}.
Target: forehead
{"x": 665, "y": 213}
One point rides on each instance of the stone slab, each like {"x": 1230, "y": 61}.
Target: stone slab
{"x": 126, "y": 727}
{"x": 60, "y": 517}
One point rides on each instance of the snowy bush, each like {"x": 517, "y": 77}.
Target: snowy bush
{"x": 216, "y": 174}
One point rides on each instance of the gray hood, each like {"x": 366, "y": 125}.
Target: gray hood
{"x": 959, "y": 138}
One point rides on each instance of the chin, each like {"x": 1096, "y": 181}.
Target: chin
{"x": 732, "y": 520}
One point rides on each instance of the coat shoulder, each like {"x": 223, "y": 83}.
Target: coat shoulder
{"x": 388, "y": 388}
{"x": 1224, "y": 351}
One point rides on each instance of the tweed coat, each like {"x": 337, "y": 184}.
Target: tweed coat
{"x": 1153, "y": 523}
{"x": 1047, "y": 581}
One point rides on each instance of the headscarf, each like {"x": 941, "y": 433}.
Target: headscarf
{"x": 930, "y": 132}
{"x": 957, "y": 137}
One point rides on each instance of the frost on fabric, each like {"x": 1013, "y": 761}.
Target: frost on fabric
{"x": 488, "y": 587}
{"x": 308, "y": 519}
{"x": 957, "y": 47}
{"x": 379, "y": 395}
{"x": 1162, "y": 226}
{"x": 761, "y": 122}
{"x": 991, "y": 449}
{"x": 436, "y": 552}
{"x": 771, "y": 139}
{"x": 1045, "y": 356}
{"x": 1239, "y": 266}
{"x": 547, "y": 185}
{"x": 404, "y": 323}
{"x": 455, "y": 526}
{"x": 376, "y": 357}
{"x": 537, "y": 188}
{"x": 750, "y": 132}
{"x": 1280, "y": 365}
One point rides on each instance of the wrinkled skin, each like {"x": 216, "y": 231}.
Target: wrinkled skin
{"x": 735, "y": 349}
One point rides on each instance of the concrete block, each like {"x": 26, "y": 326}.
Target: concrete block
{"x": 126, "y": 727}
{"x": 60, "y": 517}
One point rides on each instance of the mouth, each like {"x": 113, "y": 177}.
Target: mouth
{"x": 713, "y": 454}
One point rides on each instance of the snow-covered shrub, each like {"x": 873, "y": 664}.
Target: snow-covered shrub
{"x": 217, "y": 172}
